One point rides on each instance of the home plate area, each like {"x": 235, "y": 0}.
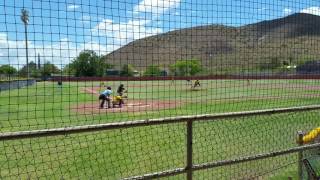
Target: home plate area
{"x": 138, "y": 105}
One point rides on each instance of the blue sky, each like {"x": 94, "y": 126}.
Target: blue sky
{"x": 60, "y": 29}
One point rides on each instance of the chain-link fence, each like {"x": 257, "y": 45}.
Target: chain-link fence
{"x": 142, "y": 89}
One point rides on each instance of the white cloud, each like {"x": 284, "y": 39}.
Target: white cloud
{"x": 262, "y": 9}
{"x": 60, "y": 53}
{"x": 73, "y": 6}
{"x": 124, "y": 32}
{"x": 11, "y": 51}
{"x": 64, "y": 51}
{"x": 64, "y": 40}
{"x": 85, "y": 19}
{"x": 155, "y": 6}
{"x": 287, "y": 11}
{"x": 311, "y": 10}
{"x": 121, "y": 33}
{"x": 3, "y": 36}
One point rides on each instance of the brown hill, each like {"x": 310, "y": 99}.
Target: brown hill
{"x": 223, "y": 49}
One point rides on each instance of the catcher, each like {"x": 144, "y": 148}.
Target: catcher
{"x": 119, "y": 99}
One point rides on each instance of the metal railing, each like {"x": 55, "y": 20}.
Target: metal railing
{"x": 189, "y": 167}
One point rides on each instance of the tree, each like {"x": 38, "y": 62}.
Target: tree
{"x": 33, "y": 71}
{"x": 152, "y": 70}
{"x": 127, "y": 70}
{"x": 271, "y": 64}
{"x": 68, "y": 70}
{"x": 8, "y": 70}
{"x": 186, "y": 67}
{"x": 88, "y": 63}
{"x": 47, "y": 69}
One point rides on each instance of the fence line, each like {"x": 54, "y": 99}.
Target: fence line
{"x": 189, "y": 167}
{"x": 168, "y": 120}
{"x": 226, "y": 162}
{"x": 210, "y": 77}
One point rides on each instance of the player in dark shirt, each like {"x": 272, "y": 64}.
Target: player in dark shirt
{"x": 121, "y": 90}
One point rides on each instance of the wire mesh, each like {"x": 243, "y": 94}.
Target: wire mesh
{"x": 219, "y": 140}
{"x": 66, "y": 63}
{"x": 108, "y": 155}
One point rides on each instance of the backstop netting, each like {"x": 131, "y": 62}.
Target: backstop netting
{"x": 143, "y": 89}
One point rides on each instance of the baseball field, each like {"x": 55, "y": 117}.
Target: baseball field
{"x": 121, "y": 153}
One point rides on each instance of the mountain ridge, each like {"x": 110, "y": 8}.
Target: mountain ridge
{"x": 218, "y": 45}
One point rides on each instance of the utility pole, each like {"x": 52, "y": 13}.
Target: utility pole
{"x": 39, "y": 65}
{"x": 25, "y": 20}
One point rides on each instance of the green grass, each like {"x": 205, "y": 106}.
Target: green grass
{"x": 127, "y": 152}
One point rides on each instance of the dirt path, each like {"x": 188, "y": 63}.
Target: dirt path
{"x": 129, "y": 106}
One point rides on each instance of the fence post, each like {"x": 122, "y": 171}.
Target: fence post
{"x": 189, "y": 150}
{"x": 300, "y": 155}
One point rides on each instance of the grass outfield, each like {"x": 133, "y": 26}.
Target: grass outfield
{"x": 127, "y": 152}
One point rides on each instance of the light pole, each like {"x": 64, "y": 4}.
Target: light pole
{"x": 25, "y": 20}
{"x": 210, "y": 60}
